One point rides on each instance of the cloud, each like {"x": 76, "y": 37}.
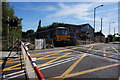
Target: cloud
{"x": 39, "y": 8}
{"x": 81, "y": 11}
{"x": 77, "y": 10}
{"x": 74, "y": 11}
{"x": 109, "y": 10}
{"x": 61, "y": 0}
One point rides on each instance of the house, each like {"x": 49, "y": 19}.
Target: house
{"x": 77, "y": 30}
{"x": 99, "y": 37}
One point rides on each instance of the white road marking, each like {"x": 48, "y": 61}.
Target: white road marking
{"x": 58, "y": 64}
{"x": 59, "y": 61}
{"x": 17, "y": 74}
{"x": 47, "y": 65}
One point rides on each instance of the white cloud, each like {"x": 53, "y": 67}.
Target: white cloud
{"x": 81, "y": 11}
{"x": 61, "y": 0}
{"x": 39, "y": 8}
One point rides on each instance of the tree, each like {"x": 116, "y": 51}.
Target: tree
{"x": 9, "y": 35}
{"x": 50, "y": 26}
{"x": 111, "y": 38}
{"x": 28, "y": 34}
{"x": 84, "y": 37}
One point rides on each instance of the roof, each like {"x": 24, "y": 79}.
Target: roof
{"x": 81, "y": 26}
{"x": 99, "y": 34}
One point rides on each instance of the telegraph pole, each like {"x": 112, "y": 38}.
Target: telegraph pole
{"x": 114, "y": 31}
{"x": 101, "y": 25}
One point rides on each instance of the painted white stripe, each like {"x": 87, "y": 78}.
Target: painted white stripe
{"x": 15, "y": 73}
{"x": 26, "y": 48}
{"x": 67, "y": 60}
{"x": 57, "y": 64}
{"x": 58, "y": 61}
{"x": 34, "y": 64}
{"x": 115, "y": 50}
{"x": 28, "y": 53}
{"x": 16, "y": 76}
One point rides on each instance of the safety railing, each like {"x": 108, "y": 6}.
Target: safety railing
{"x": 32, "y": 71}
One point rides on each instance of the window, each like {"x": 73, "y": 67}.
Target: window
{"x": 62, "y": 32}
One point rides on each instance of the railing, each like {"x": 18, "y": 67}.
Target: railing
{"x": 8, "y": 55}
{"x": 32, "y": 71}
{"x": 79, "y": 42}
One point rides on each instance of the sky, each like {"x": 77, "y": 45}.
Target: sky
{"x": 67, "y": 12}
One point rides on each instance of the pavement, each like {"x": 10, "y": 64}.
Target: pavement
{"x": 8, "y": 54}
{"x": 88, "y": 62}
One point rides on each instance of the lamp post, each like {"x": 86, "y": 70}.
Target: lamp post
{"x": 110, "y": 26}
{"x": 114, "y": 31}
{"x": 95, "y": 14}
{"x": 109, "y": 30}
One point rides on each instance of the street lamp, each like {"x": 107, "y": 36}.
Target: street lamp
{"x": 110, "y": 26}
{"x": 94, "y": 13}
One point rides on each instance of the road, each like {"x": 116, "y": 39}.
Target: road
{"x": 85, "y": 62}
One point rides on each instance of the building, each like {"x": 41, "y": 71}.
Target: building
{"x": 99, "y": 37}
{"x": 78, "y": 30}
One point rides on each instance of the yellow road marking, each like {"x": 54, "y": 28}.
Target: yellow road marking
{"x": 51, "y": 52}
{"x": 54, "y": 59}
{"x": 73, "y": 66}
{"x": 18, "y": 68}
{"x": 41, "y": 54}
{"x": 115, "y": 50}
{"x": 91, "y": 70}
{"x": 12, "y": 61}
{"x": 90, "y": 48}
{"x": 57, "y": 56}
{"x": 46, "y": 56}
{"x": 15, "y": 61}
{"x": 85, "y": 72}
{"x": 112, "y": 55}
{"x": 11, "y": 67}
{"x": 104, "y": 54}
{"x": 44, "y": 59}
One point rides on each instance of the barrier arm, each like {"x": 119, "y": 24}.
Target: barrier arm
{"x": 31, "y": 68}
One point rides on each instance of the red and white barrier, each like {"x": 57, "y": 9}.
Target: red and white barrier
{"x": 38, "y": 72}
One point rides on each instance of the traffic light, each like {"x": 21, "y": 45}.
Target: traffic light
{"x": 13, "y": 22}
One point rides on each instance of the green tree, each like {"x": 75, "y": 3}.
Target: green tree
{"x": 50, "y": 26}
{"x": 29, "y": 34}
{"x": 111, "y": 38}
{"x": 9, "y": 35}
{"x": 84, "y": 37}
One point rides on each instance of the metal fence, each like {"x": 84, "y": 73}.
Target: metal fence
{"x": 44, "y": 43}
{"x": 80, "y": 42}
{"x": 32, "y": 71}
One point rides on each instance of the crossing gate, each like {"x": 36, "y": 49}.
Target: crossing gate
{"x": 32, "y": 71}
